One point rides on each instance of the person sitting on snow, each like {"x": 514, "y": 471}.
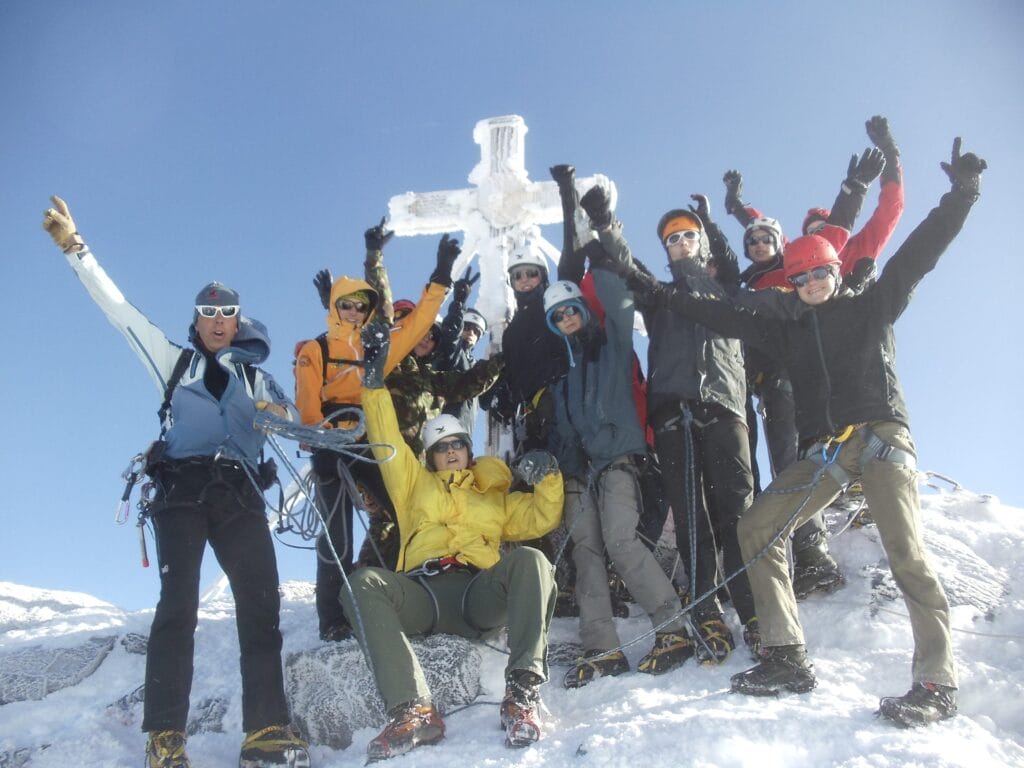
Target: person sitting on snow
{"x": 453, "y": 515}
{"x": 838, "y": 349}
{"x": 205, "y": 493}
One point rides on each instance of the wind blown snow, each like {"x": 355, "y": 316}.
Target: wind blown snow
{"x": 70, "y": 667}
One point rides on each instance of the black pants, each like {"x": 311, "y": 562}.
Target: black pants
{"x": 723, "y": 487}
{"x": 335, "y": 502}
{"x": 198, "y": 504}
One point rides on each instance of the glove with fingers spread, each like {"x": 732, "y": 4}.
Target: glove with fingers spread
{"x": 377, "y": 237}
{"x": 462, "y": 287}
{"x": 733, "y": 180}
{"x": 376, "y": 339}
{"x": 598, "y": 207}
{"x": 964, "y": 171}
{"x": 58, "y": 222}
{"x": 323, "y": 282}
{"x": 866, "y": 169}
{"x": 702, "y": 209}
{"x": 534, "y": 466}
{"x": 448, "y": 251}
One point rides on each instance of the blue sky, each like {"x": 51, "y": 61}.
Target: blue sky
{"x": 253, "y": 143}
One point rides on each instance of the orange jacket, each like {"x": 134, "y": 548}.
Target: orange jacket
{"x": 344, "y": 374}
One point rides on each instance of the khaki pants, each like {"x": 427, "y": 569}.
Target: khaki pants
{"x": 518, "y": 591}
{"x": 892, "y": 495}
{"x": 606, "y": 519}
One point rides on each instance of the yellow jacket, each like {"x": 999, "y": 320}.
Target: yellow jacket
{"x": 345, "y": 349}
{"x": 467, "y": 513}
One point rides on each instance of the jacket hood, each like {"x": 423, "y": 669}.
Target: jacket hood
{"x": 344, "y": 286}
{"x": 251, "y": 344}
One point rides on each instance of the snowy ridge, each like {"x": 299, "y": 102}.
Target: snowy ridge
{"x": 858, "y": 638}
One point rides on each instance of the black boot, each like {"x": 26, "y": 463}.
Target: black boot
{"x": 781, "y": 666}
{"x": 520, "y": 710}
{"x": 924, "y": 703}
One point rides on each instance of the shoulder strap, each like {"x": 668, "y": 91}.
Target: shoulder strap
{"x": 326, "y": 358}
{"x": 179, "y": 370}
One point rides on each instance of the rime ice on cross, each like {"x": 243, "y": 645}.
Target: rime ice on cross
{"x": 503, "y": 210}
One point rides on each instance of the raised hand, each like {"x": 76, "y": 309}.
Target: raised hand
{"x": 377, "y": 237}
{"x": 323, "y": 282}
{"x": 964, "y": 171}
{"x": 58, "y": 222}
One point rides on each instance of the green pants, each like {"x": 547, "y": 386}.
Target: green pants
{"x": 892, "y": 495}
{"x": 518, "y": 591}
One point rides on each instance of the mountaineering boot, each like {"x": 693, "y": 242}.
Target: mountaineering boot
{"x": 752, "y": 638}
{"x": 815, "y": 570}
{"x": 275, "y": 745}
{"x": 336, "y": 632}
{"x": 409, "y": 726}
{"x": 166, "y": 749}
{"x": 595, "y": 664}
{"x": 714, "y": 641}
{"x": 520, "y": 716}
{"x": 670, "y": 650}
{"x": 924, "y": 703}
{"x": 781, "y": 666}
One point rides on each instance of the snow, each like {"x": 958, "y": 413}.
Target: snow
{"x": 858, "y": 638}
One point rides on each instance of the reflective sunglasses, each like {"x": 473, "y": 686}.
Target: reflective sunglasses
{"x": 208, "y": 310}
{"x": 818, "y": 273}
{"x": 347, "y": 306}
{"x": 683, "y": 234}
{"x": 560, "y": 314}
{"x": 449, "y": 445}
{"x": 760, "y": 240}
{"x": 523, "y": 274}
{"x": 816, "y": 226}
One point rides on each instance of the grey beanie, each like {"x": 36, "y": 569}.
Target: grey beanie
{"x": 217, "y": 295}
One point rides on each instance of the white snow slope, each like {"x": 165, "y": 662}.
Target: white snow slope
{"x": 858, "y": 637}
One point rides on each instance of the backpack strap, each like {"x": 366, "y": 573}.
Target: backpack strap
{"x": 179, "y": 370}
{"x": 322, "y": 341}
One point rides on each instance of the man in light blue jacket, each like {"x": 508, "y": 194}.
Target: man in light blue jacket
{"x": 206, "y": 471}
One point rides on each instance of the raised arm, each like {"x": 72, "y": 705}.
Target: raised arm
{"x": 149, "y": 343}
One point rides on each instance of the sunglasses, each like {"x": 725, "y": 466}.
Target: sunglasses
{"x": 560, "y": 314}
{"x": 816, "y": 226}
{"x": 818, "y": 273}
{"x": 347, "y": 306}
{"x": 524, "y": 274}
{"x": 760, "y": 240}
{"x": 683, "y": 234}
{"x": 449, "y": 445}
{"x": 207, "y": 310}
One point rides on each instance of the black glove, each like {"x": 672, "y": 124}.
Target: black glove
{"x": 733, "y": 189}
{"x": 598, "y": 207}
{"x": 463, "y": 286}
{"x": 703, "y": 209}
{"x": 323, "y": 282}
{"x": 376, "y": 343}
{"x": 377, "y": 237}
{"x": 964, "y": 171}
{"x": 447, "y": 252}
{"x": 564, "y": 176}
{"x": 867, "y": 169}
{"x": 878, "y": 131}
{"x": 534, "y": 466}
{"x": 863, "y": 273}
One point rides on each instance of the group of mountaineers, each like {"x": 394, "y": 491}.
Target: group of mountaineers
{"x": 466, "y": 544}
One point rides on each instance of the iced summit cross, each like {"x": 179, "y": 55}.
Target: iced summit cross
{"x": 501, "y": 212}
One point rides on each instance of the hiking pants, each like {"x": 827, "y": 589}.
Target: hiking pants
{"x": 715, "y": 458}
{"x": 333, "y": 498}
{"x": 777, "y": 408}
{"x": 605, "y": 518}
{"x": 230, "y": 516}
{"x": 518, "y": 591}
{"x": 892, "y": 493}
